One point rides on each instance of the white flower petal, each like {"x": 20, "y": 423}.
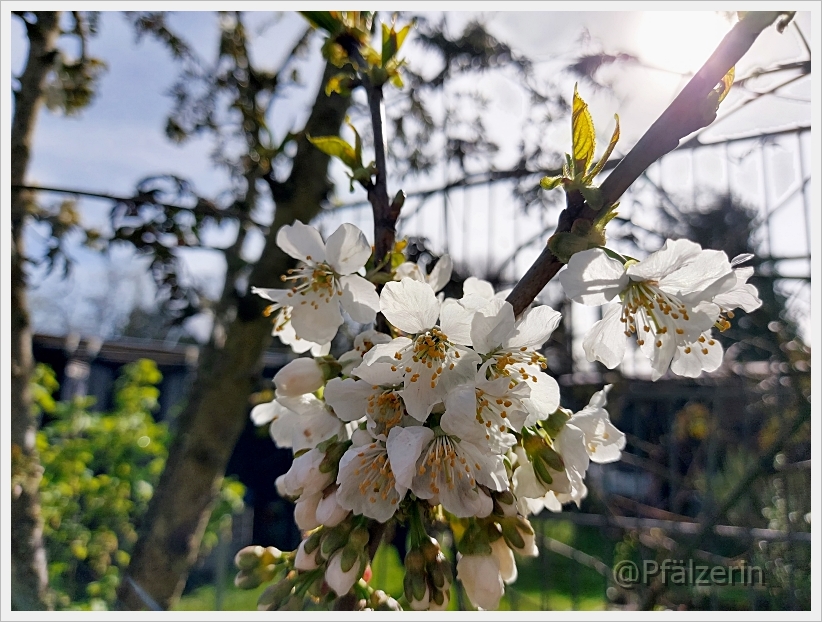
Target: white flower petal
{"x": 455, "y": 321}
{"x": 605, "y": 342}
{"x": 360, "y": 299}
{"x": 302, "y": 242}
{"x": 346, "y": 249}
{"x": 348, "y": 398}
{"x": 404, "y": 448}
{"x": 409, "y": 305}
{"x": 384, "y": 352}
{"x": 441, "y": 273}
{"x": 316, "y": 323}
{"x": 698, "y": 274}
{"x": 408, "y": 269}
{"x": 593, "y": 278}
{"x": 477, "y": 287}
{"x": 492, "y": 325}
{"x": 671, "y": 257}
{"x": 534, "y": 327}
{"x": 701, "y": 357}
{"x": 274, "y": 295}
{"x": 544, "y": 397}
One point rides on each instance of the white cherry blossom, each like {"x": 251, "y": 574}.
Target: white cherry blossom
{"x": 446, "y": 470}
{"x": 367, "y": 484}
{"x": 487, "y": 412}
{"x": 667, "y": 300}
{"x": 324, "y": 281}
{"x": 437, "y": 358}
{"x": 510, "y": 349}
{"x": 603, "y": 441}
{"x": 298, "y": 423}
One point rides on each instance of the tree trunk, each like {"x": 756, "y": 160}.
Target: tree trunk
{"x": 29, "y": 573}
{"x": 217, "y": 409}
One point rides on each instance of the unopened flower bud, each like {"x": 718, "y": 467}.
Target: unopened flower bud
{"x": 338, "y": 580}
{"x": 298, "y": 377}
{"x": 303, "y": 560}
{"x": 480, "y": 576}
{"x": 248, "y": 579}
{"x": 439, "y": 599}
{"x": 505, "y": 556}
{"x": 329, "y": 512}
{"x": 526, "y": 532}
{"x": 305, "y": 512}
{"x": 422, "y": 603}
{"x": 273, "y": 596}
{"x": 249, "y": 557}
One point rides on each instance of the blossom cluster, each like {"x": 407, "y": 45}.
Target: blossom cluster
{"x": 452, "y": 413}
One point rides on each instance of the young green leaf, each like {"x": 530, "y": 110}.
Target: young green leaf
{"x": 336, "y": 147}
{"x": 584, "y": 138}
{"x": 549, "y": 183}
{"x": 604, "y": 159}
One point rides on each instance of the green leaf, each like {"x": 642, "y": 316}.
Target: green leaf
{"x": 340, "y": 83}
{"x": 604, "y": 159}
{"x": 392, "y": 41}
{"x": 549, "y": 183}
{"x": 357, "y": 144}
{"x": 336, "y": 147}
{"x": 322, "y": 19}
{"x": 584, "y": 138}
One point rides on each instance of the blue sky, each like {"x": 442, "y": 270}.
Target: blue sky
{"x": 119, "y": 139}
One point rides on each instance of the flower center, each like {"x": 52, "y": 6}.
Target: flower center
{"x": 496, "y": 415}
{"x": 514, "y": 362}
{"x": 318, "y": 281}
{"x": 431, "y": 350}
{"x": 445, "y": 466}
{"x": 378, "y": 478}
{"x": 386, "y": 410}
{"x": 648, "y": 312}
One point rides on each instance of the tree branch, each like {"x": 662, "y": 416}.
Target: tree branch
{"x": 685, "y": 115}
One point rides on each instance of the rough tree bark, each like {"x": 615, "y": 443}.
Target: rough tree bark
{"x": 29, "y": 576}
{"x": 218, "y": 404}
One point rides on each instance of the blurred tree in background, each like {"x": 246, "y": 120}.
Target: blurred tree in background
{"x": 100, "y": 470}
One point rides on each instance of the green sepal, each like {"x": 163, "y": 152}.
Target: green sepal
{"x": 593, "y": 196}
{"x": 336, "y": 147}
{"x": 512, "y": 535}
{"x": 555, "y": 422}
{"x": 350, "y": 555}
{"x": 418, "y": 586}
{"x": 542, "y": 472}
{"x": 474, "y": 541}
{"x": 313, "y": 541}
{"x": 549, "y": 183}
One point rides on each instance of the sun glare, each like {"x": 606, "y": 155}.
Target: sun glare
{"x": 679, "y": 40}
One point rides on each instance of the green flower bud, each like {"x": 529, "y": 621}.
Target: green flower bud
{"x": 248, "y": 557}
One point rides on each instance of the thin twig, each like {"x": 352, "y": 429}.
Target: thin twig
{"x": 685, "y": 115}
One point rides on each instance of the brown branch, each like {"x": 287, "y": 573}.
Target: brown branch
{"x": 685, "y": 115}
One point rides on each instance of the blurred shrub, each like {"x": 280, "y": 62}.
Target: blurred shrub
{"x": 100, "y": 470}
